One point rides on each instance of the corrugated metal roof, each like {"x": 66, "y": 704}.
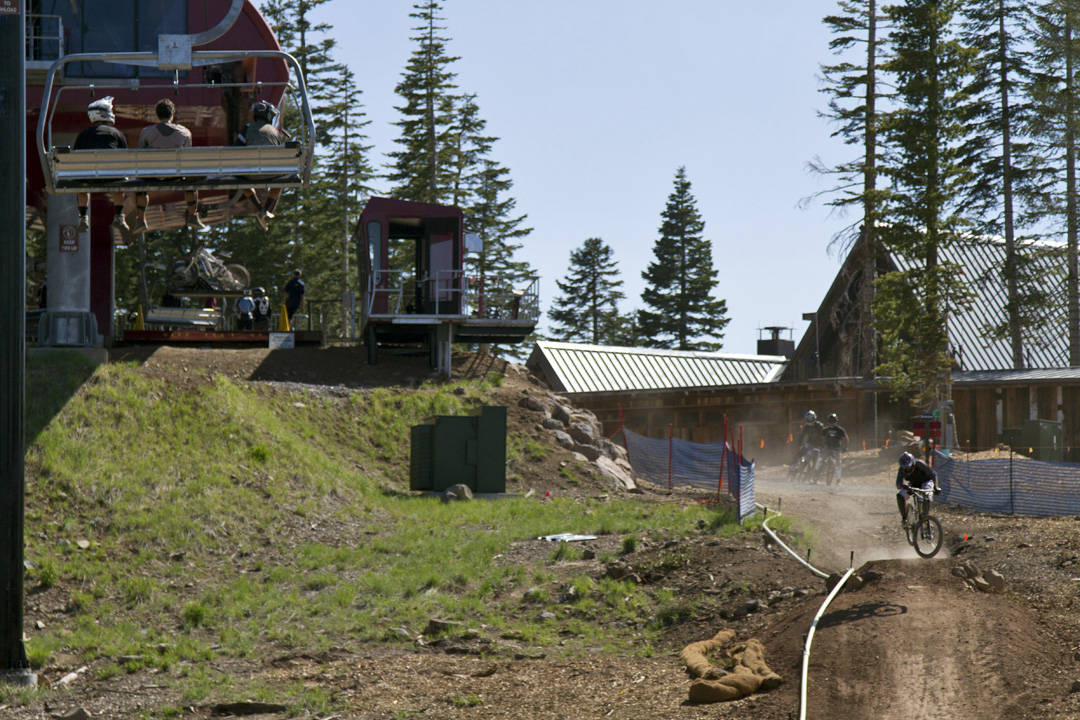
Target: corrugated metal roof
{"x": 970, "y": 331}
{"x": 599, "y": 368}
{"x": 1001, "y": 377}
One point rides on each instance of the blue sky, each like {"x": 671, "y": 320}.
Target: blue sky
{"x": 598, "y": 102}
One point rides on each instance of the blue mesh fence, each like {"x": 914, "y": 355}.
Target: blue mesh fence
{"x": 674, "y": 462}
{"x": 1016, "y": 486}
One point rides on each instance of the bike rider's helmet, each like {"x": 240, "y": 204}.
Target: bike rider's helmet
{"x": 259, "y": 292}
{"x": 101, "y": 110}
{"x": 832, "y": 419}
{"x": 811, "y": 416}
{"x": 907, "y": 461}
{"x": 247, "y": 293}
{"x": 263, "y": 110}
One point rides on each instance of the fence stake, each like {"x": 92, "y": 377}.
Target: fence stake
{"x": 1012, "y": 499}
{"x": 670, "y": 445}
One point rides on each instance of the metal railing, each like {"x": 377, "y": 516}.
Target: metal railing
{"x": 490, "y": 297}
{"x": 44, "y": 40}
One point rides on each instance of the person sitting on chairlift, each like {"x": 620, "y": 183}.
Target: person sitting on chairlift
{"x": 166, "y": 134}
{"x": 262, "y": 132}
{"x": 101, "y": 135}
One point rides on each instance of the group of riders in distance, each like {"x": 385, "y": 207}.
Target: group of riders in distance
{"x": 818, "y": 457}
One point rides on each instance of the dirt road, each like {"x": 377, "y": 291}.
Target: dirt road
{"x": 917, "y": 642}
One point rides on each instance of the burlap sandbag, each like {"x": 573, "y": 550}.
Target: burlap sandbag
{"x": 749, "y": 674}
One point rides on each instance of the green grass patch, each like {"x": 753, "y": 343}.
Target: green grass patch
{"x": 260, "y": 522}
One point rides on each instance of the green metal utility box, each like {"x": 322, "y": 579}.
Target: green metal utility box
{"x": 469, "y": 449}
{"x": 1038, "y": 439}
{"x": 1044, "y": 439}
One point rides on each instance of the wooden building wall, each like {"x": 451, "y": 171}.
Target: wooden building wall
{"x": 769, "y": 416}
{"x": 982, "y": 412}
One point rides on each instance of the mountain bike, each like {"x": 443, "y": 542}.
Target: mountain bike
{"x": 829, "y": 462}
{"x": 922, "y": 529}
{"x": 206, "y": 267}
{"x": 803, "y": 467}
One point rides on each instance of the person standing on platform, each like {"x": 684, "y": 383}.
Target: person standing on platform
{"x": 294, "y": 295}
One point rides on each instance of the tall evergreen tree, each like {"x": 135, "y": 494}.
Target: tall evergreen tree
{"x": 588, "y": 309}
{"x": 1055, "y": 121}
{"x": 341, "y": 183}
{"x": 855, "y": 91}
{"x": 422, "y": 169}
{"x": 1004, "y": 183}
{"x": 303, "y": 234}
{"x": 480, "y": 186}
{"x": 923, "y": 162}
{"x": 681, "y": 280}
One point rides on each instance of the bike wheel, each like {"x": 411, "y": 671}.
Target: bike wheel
{"x": 235, "y": 277}
{"x": 181, "y": 274}
{"x": 829, "y": 471}
{"x": 928, "y": 536}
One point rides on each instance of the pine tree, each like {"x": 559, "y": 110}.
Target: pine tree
{"x": 854, "y": 91}
{"x": 1055, "y": 120}
{"x": 1005, "y": 181}
{"x": 422, "y": 169}
{"x": 588, "y": 308}
{"x": 344, "y": 175}
{"x": 305, "y": 233}
{"x": 681, "y": 280}
{"x": 923, "y": 162}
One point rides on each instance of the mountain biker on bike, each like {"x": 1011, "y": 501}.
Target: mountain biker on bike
{"x": 913, "y": 473}
{"x": 810, "y": 438}
{"x": 834, "y": 440}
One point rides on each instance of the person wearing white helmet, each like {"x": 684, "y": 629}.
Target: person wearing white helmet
{"x": 912, "y": 473}
{"x": 810, "y": 438}
{"x": 101, "y": 135}
{"x": 261, "y": 316}
{"x": 262, "y": 131}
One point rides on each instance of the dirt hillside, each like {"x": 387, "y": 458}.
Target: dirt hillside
{"x": 913, "y": 642}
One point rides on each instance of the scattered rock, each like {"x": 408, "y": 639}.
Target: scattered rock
{"x": 457, "y": 492}
{"x": 530, "y": 403}
{"x": 400, "y": 632}
{"x": 247, "y": 708}
{"x": 76, "y": 714}
{"x": 438, "y": 626}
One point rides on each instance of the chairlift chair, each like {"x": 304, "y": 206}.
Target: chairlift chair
{"x": 180, "y": 169}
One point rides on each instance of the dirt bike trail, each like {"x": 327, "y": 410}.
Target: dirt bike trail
{"x": 916, "y": 643}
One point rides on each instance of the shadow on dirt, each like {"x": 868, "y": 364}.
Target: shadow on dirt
{"x": 864, "y": 611}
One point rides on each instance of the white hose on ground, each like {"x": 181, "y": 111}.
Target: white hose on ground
{"x": 766, "y": 528}
{"x": 810, "y": 639}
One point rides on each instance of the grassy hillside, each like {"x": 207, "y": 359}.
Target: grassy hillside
{"x": 181, "y": 530}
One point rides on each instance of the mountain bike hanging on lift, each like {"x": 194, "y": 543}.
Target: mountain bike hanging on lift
{"x": 922, "y": 529}
{"x": 202, "y": 269}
